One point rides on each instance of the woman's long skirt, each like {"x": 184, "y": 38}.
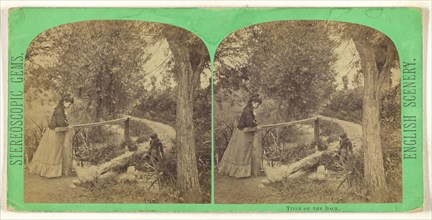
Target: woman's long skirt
{"x": 47, "y": 161}
{"x": 237, "y": 159}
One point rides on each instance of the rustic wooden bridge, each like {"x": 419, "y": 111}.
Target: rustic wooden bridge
{"x": 70, "y": 131}
{"x": 258, "y": 132}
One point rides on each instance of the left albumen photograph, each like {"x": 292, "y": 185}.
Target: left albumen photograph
{"x": 106, "y": 103}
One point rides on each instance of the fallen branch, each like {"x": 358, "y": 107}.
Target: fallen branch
{"x": 157, "y": 178}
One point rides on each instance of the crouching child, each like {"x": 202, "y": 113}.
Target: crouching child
{"x": 156, "y": 150}
{"x": 345, "y": 151}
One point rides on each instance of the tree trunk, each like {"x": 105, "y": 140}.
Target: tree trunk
{"x": 187, "y": 172}
{"x": 373, "y": 156}
{"x": 111, "y": 93}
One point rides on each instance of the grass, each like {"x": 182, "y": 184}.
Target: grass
{"x": 305, "y": 190}
{"x": 131, "y": 192}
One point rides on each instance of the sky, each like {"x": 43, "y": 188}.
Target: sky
{"x": 347, "y": 56}
{"x": 155, "y": 68}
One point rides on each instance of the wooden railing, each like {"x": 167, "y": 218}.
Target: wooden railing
{"x": 70, "y": 130}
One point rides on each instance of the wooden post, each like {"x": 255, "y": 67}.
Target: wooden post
{"x": 67, "y": 152}
{"x": 256, "y": 153}
{"x": 317, "y": 130}
{"x": 127, "y": 131}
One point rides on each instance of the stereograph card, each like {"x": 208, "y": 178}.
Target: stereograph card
{"x": 215, "y": 110}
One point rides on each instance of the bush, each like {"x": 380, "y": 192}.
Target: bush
{"x": 328, "y": 160}
{"x": 346, "y": 105}
{"x": 390, "y": 108}
{"x": 290, "y": 154}
{"x": 393, "y": 173}
{"x": 222, "y": 136}
{"x": 97, "y": 134}
{"x": 159, "y": 105}
{"x": 391, "y": 141}
{"x": 86, "y": 151}
{"x": 204, "y": 169}
{"x": 32, "y": 137}
{"x": 169, "y": 168}
{"x": 98, "y": 155}
{"x": 282, "y": 135}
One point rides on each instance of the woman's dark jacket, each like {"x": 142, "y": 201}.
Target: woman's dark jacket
{"x": 58, "y": 119}
{"x": 247, "y": 118}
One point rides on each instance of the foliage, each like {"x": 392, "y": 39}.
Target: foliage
{"x": 168, "y": 167}
{"x": 283, "y": 144}
{"x": 98, "y": 61}
{"x": 290, "y": 62}
{"x": 222, "y": 136}
{"x": 283, "y": 135}
{"x": 393, "y": 170}
{"x": 130, "y": 191}
{"x": 390, "y": 118}
{"x": 88, "y": 149}
{"x": 157, "y": 105}
{"x": 204, "y": 170}
{"x": 391, "y": 141}
{"x": 161, "y": 105}
{"x": 103, "y": 63}
{"x": 96, "y": 134}
{"x": 391, "y": 108}
{"x": 202, "y": 115}
{"x": 287, "y": 155}
{"x": 32, "y": 137}
{"x": 96, "y": 155}
{"x": 305, "y": 190}
{"x": 346, "y": 105}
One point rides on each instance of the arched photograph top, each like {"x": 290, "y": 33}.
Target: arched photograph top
{"x": 307, "y": 112}
{"x": 105, "y": 103}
